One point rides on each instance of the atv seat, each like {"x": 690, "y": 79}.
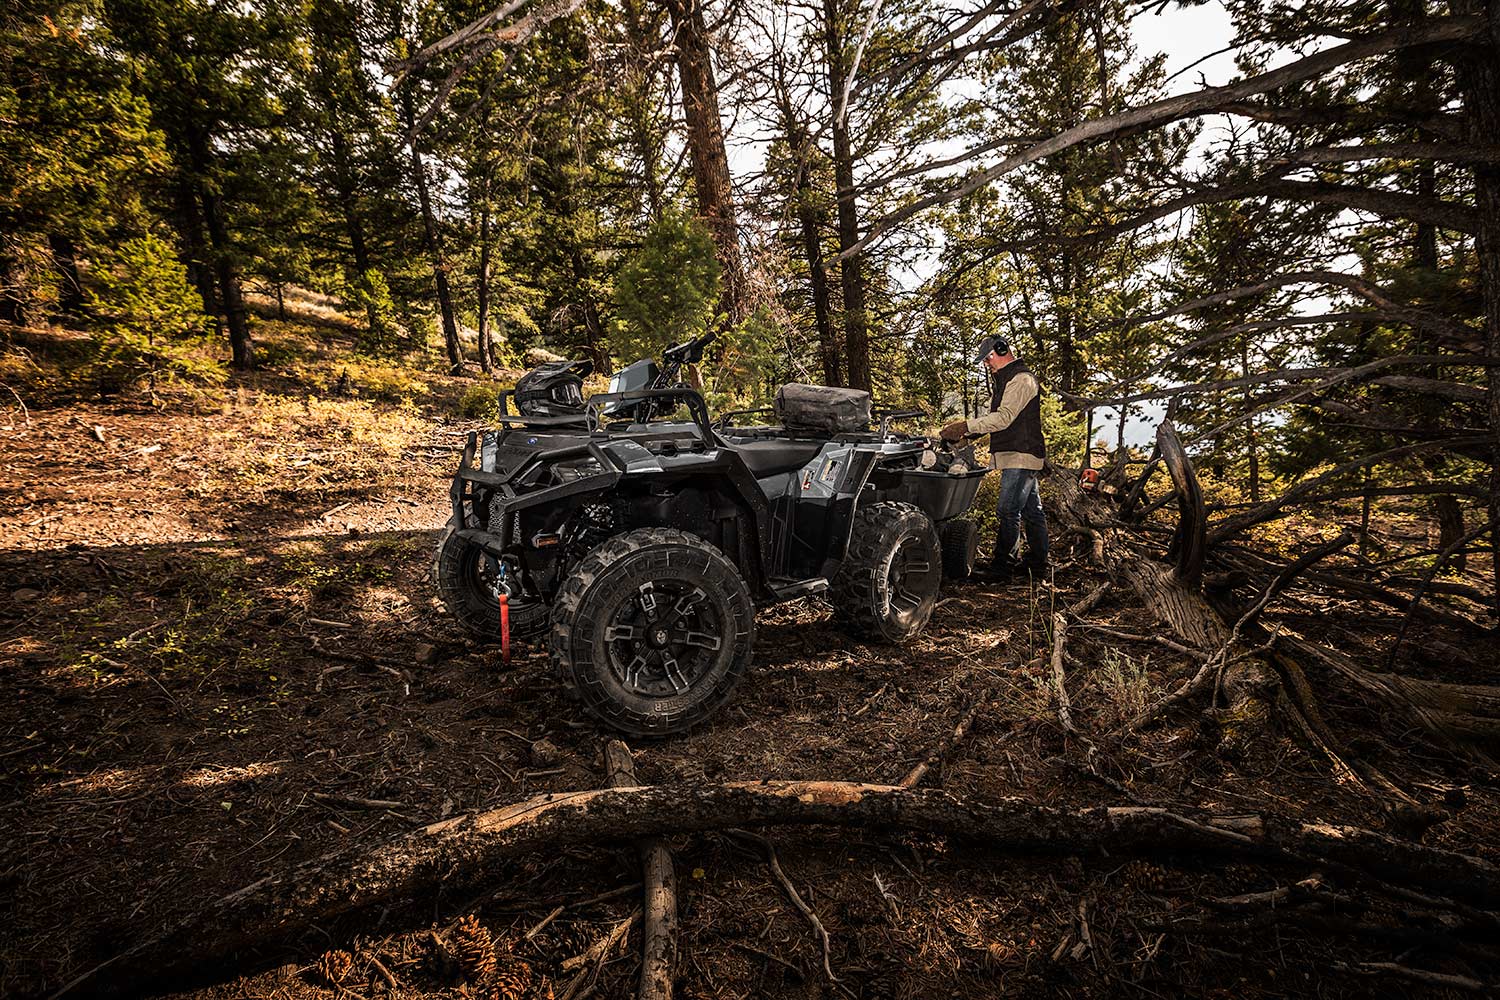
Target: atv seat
{"x": 767, "y": 458}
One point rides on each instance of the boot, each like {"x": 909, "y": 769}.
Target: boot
{"x": 994, "y": 571}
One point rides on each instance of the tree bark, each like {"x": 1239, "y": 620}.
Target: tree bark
{"x": 65, "y": 259}
{"x": 1450, "y": 518}
{"x": 434, "y": 242}
{"x": 1479, "y": 78}
{"x": 705, "y": 141}
{"x": 193, "y": 251}
{"x": 231, "y": 296}
{"x": 851, "y": 262}
{"x": 812, "y": 248}
{"x": 471, "y": 850}
{"x": 348, "y": 199}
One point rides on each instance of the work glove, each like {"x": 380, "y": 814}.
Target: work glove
{"x": 954, "y": 431}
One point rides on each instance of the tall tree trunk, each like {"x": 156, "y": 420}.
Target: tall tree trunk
{"x": 1479, "y": 77}
{"x": 642, "y": 82}
{"x": 705, "y": 141}
{"x": 851, "y": 268}
{"x": 346, "y": 188}
{"x": 593, "y": 326}
{"x": 482, "y": 281}
{"x": 812, "y": 248}
{"x": 1067, "y": 353}
{"x": 1364, "y": 516}
{"x": 241, "y": 349}
{"x": 17, "y": 303}
{"x": 434, "y": 241}
{"x": 194, "y": 253}
{"x": 817, "y": 276}
{"x": 1252, "y": 449}
{"x": 231, "y": 297}
{"x": 1450, "y": 519}
{"x": 65, "y": 259}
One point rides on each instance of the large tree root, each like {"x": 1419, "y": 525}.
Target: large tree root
{"x": 462, "y": 852}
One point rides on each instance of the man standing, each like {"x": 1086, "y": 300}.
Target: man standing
{"x": 1014, "y": 425}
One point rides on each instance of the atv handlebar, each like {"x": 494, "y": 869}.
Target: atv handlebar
{"x": 689, "y": 352}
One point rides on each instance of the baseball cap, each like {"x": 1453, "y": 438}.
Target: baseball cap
{"x": 988, "y": 344}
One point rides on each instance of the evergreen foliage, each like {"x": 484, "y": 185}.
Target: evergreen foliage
{"x": 666, "y": 291}
{"x": 150, "y": 320}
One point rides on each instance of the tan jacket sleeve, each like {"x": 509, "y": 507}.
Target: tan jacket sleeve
{"x": 1021, "y": 390}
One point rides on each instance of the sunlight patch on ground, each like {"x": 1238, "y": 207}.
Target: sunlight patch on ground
{"x": 209, "y": 777}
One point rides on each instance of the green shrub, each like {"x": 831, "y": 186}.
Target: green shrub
{"x": 480, "y": 401}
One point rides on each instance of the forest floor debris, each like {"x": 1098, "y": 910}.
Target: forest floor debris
{"x": 175, "y": 729}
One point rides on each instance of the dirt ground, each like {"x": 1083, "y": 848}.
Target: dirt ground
{"x": 219, "y": 647}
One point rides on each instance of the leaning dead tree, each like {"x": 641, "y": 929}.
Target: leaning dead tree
{"x": 471, "y": 850}
{"x": 1249, "y": 675}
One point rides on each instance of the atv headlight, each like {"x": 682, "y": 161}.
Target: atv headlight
{"x": 567, "y": 472}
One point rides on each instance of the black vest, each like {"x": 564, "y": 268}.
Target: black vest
{"x": 1025, "y": 432}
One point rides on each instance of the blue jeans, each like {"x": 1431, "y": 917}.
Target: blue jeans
{"x": 1020, "y": 500}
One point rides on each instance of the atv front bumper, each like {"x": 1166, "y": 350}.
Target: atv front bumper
{"x": 502, "y": 489}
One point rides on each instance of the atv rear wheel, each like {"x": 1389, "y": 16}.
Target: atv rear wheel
{"x": 960, "y": 541}
{"x": 467, "y": 582}
{"x": 653, "y": 630}
{"x": 888, "y": 583}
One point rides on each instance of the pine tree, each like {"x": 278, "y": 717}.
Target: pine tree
{"x": 150, "y": 319}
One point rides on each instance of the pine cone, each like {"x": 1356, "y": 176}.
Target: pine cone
{"x": 512, "y": 981}
{"x": 474, "y": 949}
{"x": 335, "y": 966}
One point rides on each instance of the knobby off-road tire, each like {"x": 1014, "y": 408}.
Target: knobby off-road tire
{"x": 461, "y": 572}
{"x": 888, "y": 583}
{"x": 653, "y": 630}
{"x": 960, "y": 542}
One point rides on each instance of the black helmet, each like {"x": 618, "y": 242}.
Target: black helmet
{"x": 554, "y": 389}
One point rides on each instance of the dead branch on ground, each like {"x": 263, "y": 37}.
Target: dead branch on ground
{"x": 659, "y": 878}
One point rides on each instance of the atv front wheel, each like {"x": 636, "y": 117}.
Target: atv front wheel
{"x": 960, "y": 541}
{"x": 467, "y": 582}
{"x": 888, "y": 583}
{"x": 653, "y": 630}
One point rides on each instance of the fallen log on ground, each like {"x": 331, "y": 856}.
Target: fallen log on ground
{"x": 464, "y": 851}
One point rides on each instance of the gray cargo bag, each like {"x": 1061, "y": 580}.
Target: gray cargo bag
{"x": 821, "y": 409}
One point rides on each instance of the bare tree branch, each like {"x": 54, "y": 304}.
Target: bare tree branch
{"x": 481, "y": 38}
{"x": 1368, "y": 290}
{"x": 1396, "y": 204}
{"x": 1449, "y": 126}
{"x": 1200, "y": 102}
{"x": 1233, "y": 526}
{"x": 1446, "y": 151}
{"x": 1333, "y": 375}
{"x": 992, "y": 7}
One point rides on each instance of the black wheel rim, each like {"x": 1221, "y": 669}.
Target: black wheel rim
{"x": 909, "y": 578}
{"x": 663, "y": 638}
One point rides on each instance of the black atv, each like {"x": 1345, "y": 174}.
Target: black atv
{"x": 643, "y": 536}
